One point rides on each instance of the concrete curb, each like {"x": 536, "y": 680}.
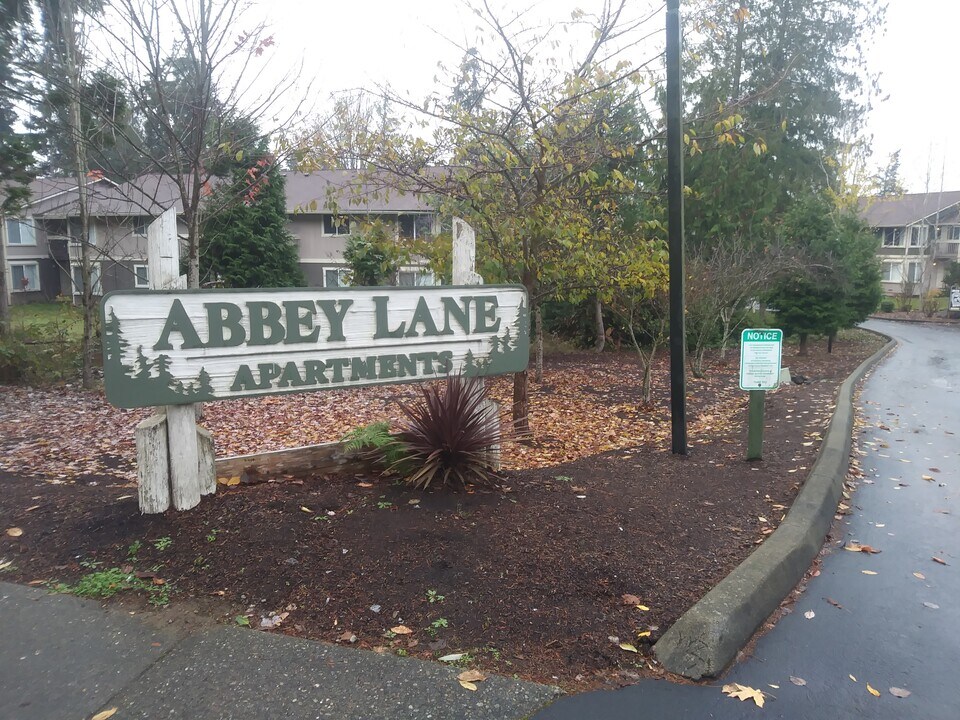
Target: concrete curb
{"x": 708, "y": 636}
{"x": 913, "y": 320}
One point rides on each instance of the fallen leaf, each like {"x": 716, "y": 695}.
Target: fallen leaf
{"x": 365, "y": 485}
{"x": 927, "y": 477}
{"x": 643, "y": 633}
{"x": 809, "y": 614}
{"x": 31, "y": 508}
{"x": 453, "y": 657}
{"x": 743, "y": 692}
{"x": 17, "y": 532}
{"x": 932, "y": 606}
{"x": 306, "y": 509}
{"x": 159, "y": 581}
{"x": 941, "y": 561}
{"x": 920, "y": 576}
{"x": 834, "y": 603}
{"x": 629, "y": 599}
{"x": 873, "y": 691}
{"x": 868, "y": 572}
{"x": 103, "y": 715}
{"x": 857, "y": 547}
{"x": 471, "y": 676}
{"x": 468, "y": 685}
{"x": 852, "y": 677}
{"x": 401, "y": 630}
{"x": 798, "y": 681}
{"x": 628, "y": 647}
{"x": 900, "y": 692}
{"x": 642, "y": 608}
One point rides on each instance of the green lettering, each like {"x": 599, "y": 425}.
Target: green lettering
{"x": 361, "y": 369}
{"x": 265, "y": 316}
{"x": 334, "y": 316}
{"x": 296, "y": 321}
{"x": 338, "y": 365}
{"x": 383, "y": 328}
{"x": 268, "y": 371}
{"x": 486, "y": 310}
{"x": 422, "y": 316}
{"x": 290, "y": 377}
{"x": 408, "y": 365}
{"x": 427, "y": 359}
{"x": 243, "y": 380}
{"x": 460, "y": 314}
{"x": 388, "y": 366}
{"x": 313, "y": 373}
{"x": 178, "y": 322}
{"x": 445, "y": 361}
{"x": 224, "y": 316}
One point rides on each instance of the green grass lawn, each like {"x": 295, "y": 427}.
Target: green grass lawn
{"x": 48, "y": 319}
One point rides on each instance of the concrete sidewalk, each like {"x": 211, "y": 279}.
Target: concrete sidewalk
{"x": 62, "y": 658}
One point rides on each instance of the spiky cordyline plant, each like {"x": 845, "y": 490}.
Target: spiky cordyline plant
{"x": 448, "y": 435}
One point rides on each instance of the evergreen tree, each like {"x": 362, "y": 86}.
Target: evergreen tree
{"x": 16, "y": 148}
{"x": 115, "y": 345}
{"x": 204, "y": 389}
{"x": 889, "y": 184}
{"x": 162, "y": 364}
{"x": 143, "y": 365}
{"x": 373, "y": 255}
{"x": 246, "y": 244}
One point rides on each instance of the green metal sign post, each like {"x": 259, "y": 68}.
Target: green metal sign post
{"x": 760, "y": 354}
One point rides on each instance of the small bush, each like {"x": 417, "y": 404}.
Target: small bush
{"x": 887, "y": 306}
{"x": 931, "y": 303}
{"x": 375, "y": 444}
{"x": 448, "y": 435}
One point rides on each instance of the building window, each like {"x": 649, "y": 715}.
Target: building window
{"x": 140, "y": 225}
{"x": 955, "y": 232}
{"x": 336, "y": 225}
{"x": 915, "y": 236}
{"x": 415, "y": 226}
{"x": 76, "y": 276}
{"x": 335, "y": 277}
{"x": 892, "y": 237}
{"x": 933, "y": 233}
{"x": 893, "y": 272}
{"x": 20, "y": 232}
{"x": 141, "y": 278}
{"x": 26, "y": 277}
{"x": 416, "y": 278}
{"x": 914, "y": 271}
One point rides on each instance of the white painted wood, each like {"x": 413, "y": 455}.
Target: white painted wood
{"x": 465, "y": 273}
{"x": 207, "y": 462}
{"x": 324, "y": 314}
{"x": 183, "y": 451}
{"x": 153, "y": 477}
{"x": 163, "y": 251}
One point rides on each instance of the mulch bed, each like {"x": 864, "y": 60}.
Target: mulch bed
{"x": 528, "y": 580}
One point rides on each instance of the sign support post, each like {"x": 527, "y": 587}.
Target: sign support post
{"x": 760, "y": 354}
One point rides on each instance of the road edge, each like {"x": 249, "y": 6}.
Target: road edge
{"x": 706, "y": 638}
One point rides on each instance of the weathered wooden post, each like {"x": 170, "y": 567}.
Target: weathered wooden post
{"x": 465, "y": 273}
{"x": 175, "y": 458}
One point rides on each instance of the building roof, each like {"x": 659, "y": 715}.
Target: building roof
{"x": 318, "y": 192}
{"x": 906, "y": 209}
{"x": 348, "y": 191}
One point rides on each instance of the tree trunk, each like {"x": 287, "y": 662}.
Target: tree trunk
{"x": 521, "y": 419}
{"x": 803, "y": 351}
{"x": 538, "y": 323}
{"x": 726, "y": 316}
{"x": 601, "y": 339}
{"x": 4, "y": 299}
{"x": 193, "y": 251}
{"x": 830, "y": 338}
{"x": 75, "y": 128}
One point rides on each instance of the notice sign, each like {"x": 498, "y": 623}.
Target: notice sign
{"x": 760, "y": 352}
{"x": 170, "y": 347}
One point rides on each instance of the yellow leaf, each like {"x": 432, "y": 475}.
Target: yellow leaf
{"x": 306, "y": 509}
{"x": 401, "y": 630}
{"x": 642, "y": 607}
{"x": 873, "y": 691}
{"x": 852, "y": 677}
{"x": 628, "y": 647}
{"x": 468, "y": 685}
{"x": 104, "y": 714}
{"x": 471, "y": 676}
{"x": 643, "y": 633}
{"x": 868, "y": 572}
{"x": 239, "y": 156}
{"x": 14, "y": 532}
{"x": 743, "y": 692}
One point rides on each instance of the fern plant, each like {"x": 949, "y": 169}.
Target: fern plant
{"x": 448, "y": 435}
{"x": 375, "y": 444}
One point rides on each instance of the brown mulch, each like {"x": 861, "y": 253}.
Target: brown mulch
{"x": 532, "y": 578}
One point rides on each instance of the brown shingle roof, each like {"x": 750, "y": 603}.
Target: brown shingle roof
{"x": 351, "y": 193}
{"x": 906, "y": 209}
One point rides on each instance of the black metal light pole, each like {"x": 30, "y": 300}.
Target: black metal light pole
{"x": 678, "y": 378}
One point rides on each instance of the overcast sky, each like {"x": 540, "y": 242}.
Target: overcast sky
{"x": 357, "y": 43}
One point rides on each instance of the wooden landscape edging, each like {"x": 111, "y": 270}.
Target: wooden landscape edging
{"x": 708, "y": 636}
{"x": 323, "y": 458}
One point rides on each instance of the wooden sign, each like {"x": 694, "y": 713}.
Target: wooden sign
{"x": 187, "y": 346}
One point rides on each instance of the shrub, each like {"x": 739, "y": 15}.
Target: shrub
{"x": 375, "y": 444}
{"x": 887, "y": 305}
{"x": 930, "y": 303}
{"x": 448, "y": 435}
